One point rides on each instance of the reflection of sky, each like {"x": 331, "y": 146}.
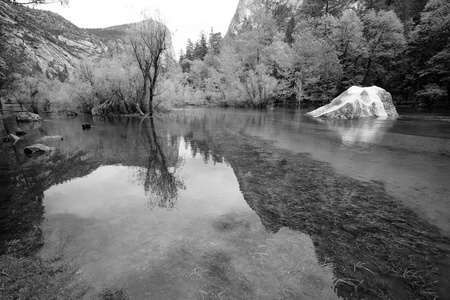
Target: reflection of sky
{"x": 210, "y": 239}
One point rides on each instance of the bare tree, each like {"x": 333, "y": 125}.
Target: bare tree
{"x": 148, "y": 44}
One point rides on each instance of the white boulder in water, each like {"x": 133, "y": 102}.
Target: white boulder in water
{"x": 358, "y": 102}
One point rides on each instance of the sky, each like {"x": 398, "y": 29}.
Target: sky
{"x": 185, "y": 18}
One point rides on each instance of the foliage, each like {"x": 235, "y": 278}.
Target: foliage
{"x": 385, "y": 42}
{"x": 348, "y": 41}
{"x": 429, "y": 54}
{"x": 317, "y": 66}
{"x": 200, "y": 48}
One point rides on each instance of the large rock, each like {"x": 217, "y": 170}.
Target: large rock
{"x": 358, "y": 102}
{"x": 37, "y": 149}
{"x": 28, "y": 117}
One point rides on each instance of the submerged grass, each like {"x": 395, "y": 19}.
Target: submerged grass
{"x": 379, "y": 249}
{"x": 26, "y": 275}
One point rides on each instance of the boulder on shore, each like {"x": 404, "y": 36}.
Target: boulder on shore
{"x": 358, "y": 102}
{"x": 28, "y": 117}
{"x": 37, "y": 149}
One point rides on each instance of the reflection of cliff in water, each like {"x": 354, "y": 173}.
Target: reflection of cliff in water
{"x": 127, "y": 141}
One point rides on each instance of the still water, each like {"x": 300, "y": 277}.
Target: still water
{"x": 185, "y": 206}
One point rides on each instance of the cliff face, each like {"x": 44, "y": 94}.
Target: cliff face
{"x": 33, "y": 39}
{"x": 43, "y": 40}
{"x": 115, "y": 37}
{"x": 282, "y": 11}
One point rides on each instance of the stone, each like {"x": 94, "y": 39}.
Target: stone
{"x": 20, "y": 132}
{"x": 28, "y": 117}
{"x": 358, "y": 102}
{"x": 86, "y": 126}
{"x": 37, "y": 149}
{"x": 52, "y": 138}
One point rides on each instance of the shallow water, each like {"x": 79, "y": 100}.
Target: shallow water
{"x": 155, "y": 209}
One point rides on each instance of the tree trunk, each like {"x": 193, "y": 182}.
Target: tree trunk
{"x": 367, "y": 72}
{"x": 150, "y": 104}
{"x": 146, "y": 96}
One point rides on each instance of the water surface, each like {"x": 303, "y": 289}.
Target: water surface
{"x": 235, "y": 204}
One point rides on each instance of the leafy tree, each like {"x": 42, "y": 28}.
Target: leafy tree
{"x": 348, "y": 40}
{"x": 201, "y": 47}
{"x": 214, "y": 42}
{"x": 148, "y": 43}
{"x": 198, "y": 73}
{"x": 253, "y": 45}
{"x": 317, "y": 67}
{"x": 317, "y": 8}
{"x": 429, "y": 53}
{"x": 405, "y": 9}
{"x": 385, "y": 41}
{"x": 189, "y": 50}
{"x": 255, "y": 36}
{"x": 231, "y": 70}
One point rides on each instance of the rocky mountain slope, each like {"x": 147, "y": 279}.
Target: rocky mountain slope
{"x": 33, "y": 39}
{"x": 286, "y": 8}
{"x": 42, "y": 40}
{"x": 115, "y": 37}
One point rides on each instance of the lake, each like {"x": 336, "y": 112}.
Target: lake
{"x": 236, "y": 204}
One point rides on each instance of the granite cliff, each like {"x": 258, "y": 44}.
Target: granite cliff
{"x": 34, "y": 39}
{"x": 282, "y": 10}
{"x": 285, "y": 11}
{"x": 38, "y": 40}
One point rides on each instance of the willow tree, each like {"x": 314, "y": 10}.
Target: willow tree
{"x": 148, "y": 44}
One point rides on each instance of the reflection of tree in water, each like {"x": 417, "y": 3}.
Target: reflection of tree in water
{"x": 159, "y": 177}
{"x": 201, "y": 146}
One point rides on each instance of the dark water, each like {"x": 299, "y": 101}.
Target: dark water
{"x": 156, "y": 208}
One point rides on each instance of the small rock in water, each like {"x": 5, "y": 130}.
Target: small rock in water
{"x": 86, "y": 126}
{"x": 20, "y": 132}
{"x": 53, "y": 138}
{"x": 37, "y": 149}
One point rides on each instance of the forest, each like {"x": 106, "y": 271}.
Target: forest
{"x": 275, "y": 58}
